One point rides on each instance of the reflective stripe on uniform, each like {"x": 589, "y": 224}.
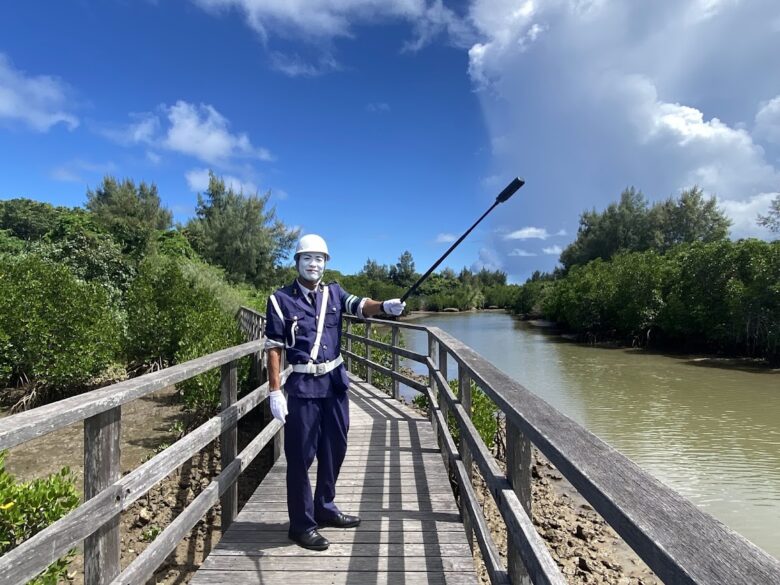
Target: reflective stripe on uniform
{"x": 277, "y": 308}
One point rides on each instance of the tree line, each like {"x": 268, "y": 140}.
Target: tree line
{"x": 90, "y": 295}
{"x": 665, "y": 275}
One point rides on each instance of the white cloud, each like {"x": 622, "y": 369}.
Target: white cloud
{"x": 153, "y": 157}
{"x": 553, "y": 250}
{"x": 445, "y": 238}
{"x": 521, "y": 253}
{"x": 320, "y": 21}
{"x": 630, "y": 93}
{"x": 744, "y": 214}
{"x": 198, "y": 181}
{"x": 297, "y": 66}
{"x": 768, "y": 121}
{"x": 528, "y": 233}
{"x": 202, "y": 132}
{"x": 199, "y": 131}
{"x": 38, "y": 102}
{"x": 488, "y": 259}
{"x": 377, "y": 107}
{"x": 73, "y": 171}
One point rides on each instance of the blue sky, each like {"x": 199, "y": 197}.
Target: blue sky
{"x": 390, "y": 125}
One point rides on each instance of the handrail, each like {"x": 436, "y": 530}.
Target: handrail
{"x": 679, "y": 542}
{"x": 24, "y": 426}
{"x": 108, "y": 493}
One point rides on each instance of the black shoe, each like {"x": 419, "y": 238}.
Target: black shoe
{"x": 312, "y": 540}
{"x": 340, "y": 521}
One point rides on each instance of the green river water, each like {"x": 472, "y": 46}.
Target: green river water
{"x": 703, "y": 427}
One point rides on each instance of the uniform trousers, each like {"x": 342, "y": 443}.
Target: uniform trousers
{"x": 315, "y": 427}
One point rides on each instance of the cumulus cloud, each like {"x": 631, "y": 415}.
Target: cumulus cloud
{"x": 527, "y": 233}
{"x": 744, "y": 214}
{"x": 521, "y": 253}
{"x": 196, "y": 130}
{"x": 553, "y": 250}
{"x": 624, "y": 93}
{"x": 201, "y": 131}
{"x": 37, "y": 102}
{"x": 488, "y": 259}
{"x": 321, "y": 21}
{"x": 768, "y": 121}
{"x": 198, "y": 181}
{"x": 445, "y": 238}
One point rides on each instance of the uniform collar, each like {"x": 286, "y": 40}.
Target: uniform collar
{"x": 305, "y": 291}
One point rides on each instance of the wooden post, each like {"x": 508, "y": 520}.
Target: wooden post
{"x": 464, "y": 396}
{"x": 228, "y": 443}
{"x": 396, "y": 387}
{"x": 432, "y": 382}
{"x": 518, "y": 471}
{"x": 349, "y": 345}
{"x": 102, "y": 467}
{"x": 369, "y": 370}
{"x": 442, "y": 402}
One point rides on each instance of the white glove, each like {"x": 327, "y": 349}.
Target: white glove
{"x": 278, "y": 405}
{"x": 393, "y": 307}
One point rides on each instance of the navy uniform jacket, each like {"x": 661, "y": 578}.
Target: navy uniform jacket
{"x": 296, "y": 333}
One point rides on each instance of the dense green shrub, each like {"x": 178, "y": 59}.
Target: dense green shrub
{"x": 720, "y": 296}
{"x": 27, "y": 508}
{"x": 176, "y": 313}
{"x": 58, "y": 331}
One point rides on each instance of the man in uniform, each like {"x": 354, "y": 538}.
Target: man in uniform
{"x": 304, "y": 318}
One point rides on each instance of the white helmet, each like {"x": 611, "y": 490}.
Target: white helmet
{"x": 313, "y": 244}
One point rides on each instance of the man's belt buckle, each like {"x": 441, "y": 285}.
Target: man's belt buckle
{"x": 319, "y": 369}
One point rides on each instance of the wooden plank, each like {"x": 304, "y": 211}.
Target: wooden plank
{"x": 249, "y": 561}
{"x": 102, "y": 467}
{"x": 259, "y": 576}
{"x": 30, "y": 424}
{"x": 423, "y": 516}
{"x": 260, "y": 537}
{"x": 668, "y": 532}
{"x": 398, "y": 549}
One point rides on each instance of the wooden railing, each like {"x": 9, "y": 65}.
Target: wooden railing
{"x": 107, "y": 494}
{"x": 679, "y": 542}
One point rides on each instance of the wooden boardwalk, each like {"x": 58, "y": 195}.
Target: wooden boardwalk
{"x": 394, "y": 478}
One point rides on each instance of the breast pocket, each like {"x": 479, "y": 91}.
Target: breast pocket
{"x": 332, "y": 317}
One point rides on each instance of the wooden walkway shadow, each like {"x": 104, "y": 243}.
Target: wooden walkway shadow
{"x": 394, "y": 478}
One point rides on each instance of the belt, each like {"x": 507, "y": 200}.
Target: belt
{"x": 318, "y": 369}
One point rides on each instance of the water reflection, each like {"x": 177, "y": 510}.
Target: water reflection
{"x": 713, "y": 434}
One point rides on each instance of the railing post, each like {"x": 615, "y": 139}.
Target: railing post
{"x": 442, "y": 401}
{"x": 464, "y": 396}
{"x": 228, "y": 443}
{"x": 396, "y": 387}
{"x": 349, "y": 345}
{"x": 102, "y": 467}
{"x": 518, "y": 470}
{"x": 432, "y": 382}
{"x": 369, "y": 370}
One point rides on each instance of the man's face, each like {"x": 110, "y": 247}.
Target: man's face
{"x": 311, "y": 267}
